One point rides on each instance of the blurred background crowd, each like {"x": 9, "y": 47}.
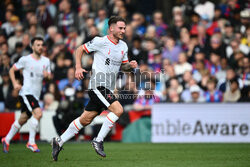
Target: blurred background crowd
{"x": 190, "y": 51}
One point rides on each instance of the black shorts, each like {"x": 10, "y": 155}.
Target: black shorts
{"x": 100, "y": 99}
{"x": 28, "y": 104}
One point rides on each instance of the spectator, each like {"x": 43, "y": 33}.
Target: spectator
{"x": 182, "y": 65}
{"x": 18, "y": 37}
{"x": 138, "y": 23}
{"x": 136, "y": 52}
{"x": 66, "y": 18}
{"x": 5, "y": 87}
{"x": 11, "y": 22}
{"x": 196, "y": 95}
{"x": 171, "y": 51}
{"x": 73, "y": 40}
{"x": 43, "y": 15}
{"x": 212, "y": 94}
{"x": 50, "y": 104}
{"x": 19, "y": 52}
{"x": 235, "y": 47}
{"x": 225, "y": 86}
{"x": 5, "y": 66}
{"x": 233, "y": 94}
{"x": 69, "y": 81}
{"x": 102, "y": 22}
{"x": 161, "y": 27}
{"x": 146, "y": 101}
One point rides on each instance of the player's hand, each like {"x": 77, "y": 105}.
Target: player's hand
{"x": 133, "y": 64}
{"x": 46, "y": 74}
{"x": 17, "y": 86}
{"x": 79, "y": 73}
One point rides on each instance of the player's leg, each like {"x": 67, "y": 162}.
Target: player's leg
{"x": 73, "y": 129}
{"x": 109, "y": 101}
{"x": 116, "y": 111}
{"x": 76, "y": 125}
{"x": 34, "y": 121}
{"x": 13, "y": 130}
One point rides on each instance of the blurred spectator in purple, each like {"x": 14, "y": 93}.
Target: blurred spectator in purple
{"x": 171, "y": 51}
{"x": 161, "y": 27}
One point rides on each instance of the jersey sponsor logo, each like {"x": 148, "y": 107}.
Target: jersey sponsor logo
{"x": 107, "y": 62}
{"x": 31, "y": 74}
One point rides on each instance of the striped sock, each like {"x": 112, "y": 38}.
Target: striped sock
{"x": 13, "y": 130}
{"x": 72, "y": 130}
{"x": 32, "y": 131}
{"x": 106, "y": 126}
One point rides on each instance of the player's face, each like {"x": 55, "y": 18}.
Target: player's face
{"x": 38, "y": 47}
{"x": 119, "y": 29}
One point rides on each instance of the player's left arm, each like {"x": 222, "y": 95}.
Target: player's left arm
{"x": 128, "y": 66}
{"x": 47, "y": 72}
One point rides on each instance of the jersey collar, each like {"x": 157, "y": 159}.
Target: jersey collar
{"x": 111, "y": 40}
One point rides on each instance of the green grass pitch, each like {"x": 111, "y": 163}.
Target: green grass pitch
{"x": 131, "y": 155}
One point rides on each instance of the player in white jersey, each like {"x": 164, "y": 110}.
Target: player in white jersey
{"x": 35, "y": 67}
{"x": 110, "y": 53}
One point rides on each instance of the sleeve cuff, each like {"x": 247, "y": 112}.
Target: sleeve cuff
{"x": 125, "y": 61}
{"x": 85, "y": 48}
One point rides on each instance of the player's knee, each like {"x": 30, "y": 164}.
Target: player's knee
{"x": 118, "y": 110}
{"x": 38, "y": 114}
{"x": 22, "y": 121}
{"x": 85, "y": 121}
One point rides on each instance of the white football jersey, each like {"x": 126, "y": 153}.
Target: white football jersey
{"x": 108, "y": 57}
{"x": 32, "y": 74}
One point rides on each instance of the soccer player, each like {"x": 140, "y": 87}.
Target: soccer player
{"x": 110, "y": 53}
{"x": 35, "y": 67}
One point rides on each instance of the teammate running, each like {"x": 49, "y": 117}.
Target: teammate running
{"x": 35, "y": 67}
{"x": 110, "y": 53}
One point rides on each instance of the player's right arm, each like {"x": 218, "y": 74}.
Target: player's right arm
{"x": 15, "y": 83}
{"x": 78, "y": 57}
{"x": 88, "y": 47}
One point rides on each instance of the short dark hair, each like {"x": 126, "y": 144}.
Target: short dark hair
{"x": 36, "y": 39}
{"x": 115, "y": 19}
